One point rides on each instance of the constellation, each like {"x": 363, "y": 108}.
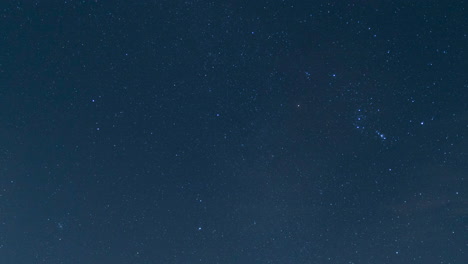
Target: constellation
{"x": 365, "y": 114}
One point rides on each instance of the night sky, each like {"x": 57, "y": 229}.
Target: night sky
{"x": 245, "y": 132}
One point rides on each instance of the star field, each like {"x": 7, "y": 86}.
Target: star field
{"x": 233, "y": 132}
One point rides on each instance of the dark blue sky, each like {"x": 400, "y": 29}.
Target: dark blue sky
{"x": 233, "y": 132}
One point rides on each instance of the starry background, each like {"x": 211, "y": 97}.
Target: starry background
{"x": 233, "y": 132}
